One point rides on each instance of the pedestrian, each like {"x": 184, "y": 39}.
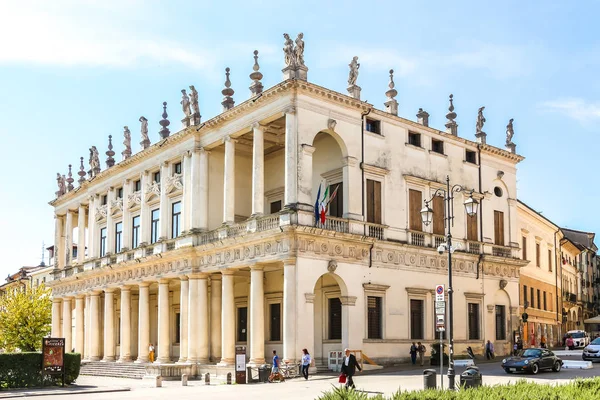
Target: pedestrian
{"x": 569, "y": 342}
{"x": 305, "y": 363}
{"x": 543, "y": 341}
{"x": 515, "y": 349}
{"x": 489, "y": 350}
{"x": 349, "y": 367}
{"x": 151, "y": 353}
{"x": 421, "y": 350}
{"x": 275, "y": 369}
{"x": 413, "y": 353}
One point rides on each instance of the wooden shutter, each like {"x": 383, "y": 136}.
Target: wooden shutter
{"x": 275, "y": 322}
{"x": 472, "y": 228}
{"x": 537, "y": 255}
{"x": 438, "y": 215}
{"x": 499, "y": 228}
{"x": 336, "y": 207}
{"x": 415, "y": 203}
{"x": 416, "y": 319}
{"x": 374, "y": 317}
{"x": 373, "y": 201}
{"x": 242, "y": 324}
{"x": 335, "y": 318}
{"x": 473, "y": 321}
{"x": 524, "y": 248}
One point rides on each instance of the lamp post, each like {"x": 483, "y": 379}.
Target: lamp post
{"x": 427, "y": 217}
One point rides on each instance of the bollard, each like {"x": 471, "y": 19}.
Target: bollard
{"x": 184, "y": 379}
{"x": 207, "y": 379}
{"x": 229, "y": 378}
{"x": 152, "y": 381}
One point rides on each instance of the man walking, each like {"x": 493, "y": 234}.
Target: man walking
{"x": 489, "y": 350}
{"x": 349, "y": 368}
{"x": 413, "y": 353}
{"x": 421, "y": 351}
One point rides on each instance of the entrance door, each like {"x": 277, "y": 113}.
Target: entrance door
{"x": 242, "y": 324}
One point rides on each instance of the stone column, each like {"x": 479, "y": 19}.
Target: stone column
{"x": 289, "y": 310}
{"x": 258, "y": 170}
{"x": 109, "y": 325}
{"x": 291, "y": 158}
{"x": 257, "y": 315}
{"x": 199, "y": 183}
{"x": 164, "y": 338}
{"x": 229, "y": 181}
{"x": 91, "y": 232}
{"x": 59, "y": 243}
{"x": 125, "y": 348}
{"x": 56, "y": 314}
{"x": 202, "y": 327}
{"x": 87, "y": 327}
{"x": 95, "y": 326}
{"x": 305, "y": 178}
{"x": 352, "y": 184}
{"x": 144, "y": 323}
{"x": 228, "y": 320}
{"x": 127, "y": 221}
{"x": 193, "y": 319}
{"x": 110, "y": 225}
{"x": 186, "y": 205}
{"x": 81, "y": 234}
{"x": 164, "y": 201}
{"x": 215, "y": 316}
{"x": 145, "y": 218}
{"x": 79, "y": 324}
{"x": 67, "y": 324}
{"x": 183, "y": 319}
{"x": 69, "y": 239}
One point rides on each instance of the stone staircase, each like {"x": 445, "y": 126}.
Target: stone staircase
{"x": 113, "y": 369}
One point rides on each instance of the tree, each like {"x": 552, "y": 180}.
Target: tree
{"x": 25, "y": 318}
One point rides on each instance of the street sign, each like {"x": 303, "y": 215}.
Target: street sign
{"x": 439, "y": 293}
{"x": 440, "y": 309}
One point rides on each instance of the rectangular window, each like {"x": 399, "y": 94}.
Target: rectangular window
{"x": 414, "y": 139}
{"x": 374, "y": 321}
{"x": 120, "y": 193}
{"x": 532, "y": 292}
{"x": 525, "y": 296}
{"x": 415, "y": 202}
{"x": 335, "y": 318}
{"x": 336, "y": 205}
{"x": 473, "y": 309}
{"x": 438, "y": 215}
{"x": 545, "y": 304}
{"x": 275, "y": 328}
{"x": 242, "y": 324}
{"x": 373, "y": 126}
{"x": 175, "y": 219}
{"x": 156, "y": 177}
{"x": 135, "y": 232}
{"x": 137, "y": 185}
{"x": 499, "y": 228}
{"x": 275, "y": 206}
{"x": 539, "y": 297}
{"x": 177, "y": 168}
{"x": 102, "y": 242}
{"x": 118, "y": 236}
{"x": 500, "y": 323}
{"x": 177, "y": 328}
{"x": 524, "y": 248}
{"x": 472, "y": 228}
{"x": 471, "y": 157}
{"x": 537, "y": 255}
{"x": 373, "y": 201}
{"x": 154, "y": 226}
{"x": 104, "y": 200}
{"x": 550, "y": 260}
{"x": 416, "y": 319}
{"x": 437, "y": 146}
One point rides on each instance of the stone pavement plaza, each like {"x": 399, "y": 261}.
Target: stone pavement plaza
{"x": 385, "y": 381}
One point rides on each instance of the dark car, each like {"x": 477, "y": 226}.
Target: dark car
{"x": 532, "y": 360}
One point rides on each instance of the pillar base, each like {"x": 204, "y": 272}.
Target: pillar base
{"x": 256, "y": 362}
{"x": 109, "y": 359}
{"x": 125, "y": 360}
{"x": 226, "y": 362}
{"x": 182, "y": 361}
{"x": 93, "y": 359}
{"x": 141, "y": 361}
{"x": 164, "y": 361}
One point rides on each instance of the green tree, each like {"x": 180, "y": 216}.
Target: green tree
{"x": 25, "y": 318}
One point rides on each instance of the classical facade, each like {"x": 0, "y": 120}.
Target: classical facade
{"x": 207, "y": 239}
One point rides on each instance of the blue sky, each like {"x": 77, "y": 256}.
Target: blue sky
{"x": 73, "y": 72}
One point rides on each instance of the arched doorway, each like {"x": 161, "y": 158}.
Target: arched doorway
{"x": 330, "y": 316}
{"x": 328, "y": 171}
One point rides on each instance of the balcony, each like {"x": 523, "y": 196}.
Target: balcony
{"x": 501, "y": 251}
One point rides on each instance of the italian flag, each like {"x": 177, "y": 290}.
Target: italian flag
{"x": 322, "y": 206}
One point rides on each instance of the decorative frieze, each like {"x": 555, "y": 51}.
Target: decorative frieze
{"x": 134, "y": 199}
{"x": 174, "y": 183}
{"x": 152, "y": 189}
{"x": 101, "y": 212}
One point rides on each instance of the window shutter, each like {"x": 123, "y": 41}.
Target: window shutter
{"x": 335, "y": 318}
{"x": 374, "y": 317}
{"x": 438, "y": 215}
{"x": 472, "y": 228}
{"x": 416, "y": 319}
{"x": 473, "y": 321}
{"x": 415, "y": 201}
{"x": 499, "y": 228}
{"x": 524, "y": 248}
{"x": 373, "y": 201}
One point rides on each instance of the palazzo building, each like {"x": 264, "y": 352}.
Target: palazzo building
{"x": 207, "y": 239}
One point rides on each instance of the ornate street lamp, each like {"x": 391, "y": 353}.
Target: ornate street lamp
{"x": 471, "y": 206}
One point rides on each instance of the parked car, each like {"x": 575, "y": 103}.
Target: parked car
{"x": 580, "y": 338}
{"x": 591, "y": 352}
{"x": 532, "y": 360}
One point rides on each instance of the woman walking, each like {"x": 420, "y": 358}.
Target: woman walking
{"x": 305, "y": 363}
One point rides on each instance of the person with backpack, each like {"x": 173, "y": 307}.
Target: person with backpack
{"x": 413, "y": 353}
{"x": 421, "y": 351}
{"x": 489, "y": 350}
{"x": 305, "y": 363}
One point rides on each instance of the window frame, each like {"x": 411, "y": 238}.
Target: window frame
{"x": 137, "y": 185}
{"x": 154, "y": 226}
{"x": 379, "y": 308}
{"x": 118, "y": 237}
{"x": 502, "y": 317}
{"x": 414, "y": 139}
{"x": 271, "y": 321}
{"x": 524, "y": 250}
{"x": 102, "y": 248}
{"x": 176, "y": 219}
{"x": 437, "y": 145}
{"x": 471, "y": 154}
{"x": 375, "y": 123}
{"x": 538, "y": 253}
{"x": 156, "y": 176}
{"x": 135, "y": 231}
{"x": 177, "y": 167}
{"x": 412, "y": 327}
{"x": 470, "y": 334}
{"x": 375, "y": 290}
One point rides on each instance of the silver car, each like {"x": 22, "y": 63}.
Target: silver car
{"x": 591, "y": 352}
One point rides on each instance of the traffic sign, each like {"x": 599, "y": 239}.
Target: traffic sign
{"x": 439, "y": 293}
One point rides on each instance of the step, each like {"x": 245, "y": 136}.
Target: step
{"x": 113, "y": 369}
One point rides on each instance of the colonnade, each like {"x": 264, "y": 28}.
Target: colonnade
{"x": 207, "y": 321}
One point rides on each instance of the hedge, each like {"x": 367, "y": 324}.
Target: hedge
{"x": 21, "y": 370}
{"x": 579, "y": 389}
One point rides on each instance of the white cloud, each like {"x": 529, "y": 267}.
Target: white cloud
{"x": 575, "y": 108}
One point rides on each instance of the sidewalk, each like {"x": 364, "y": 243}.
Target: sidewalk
{"x": 58, "y": 390}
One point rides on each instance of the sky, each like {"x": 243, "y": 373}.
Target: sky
{"x": 73, "y": 72}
